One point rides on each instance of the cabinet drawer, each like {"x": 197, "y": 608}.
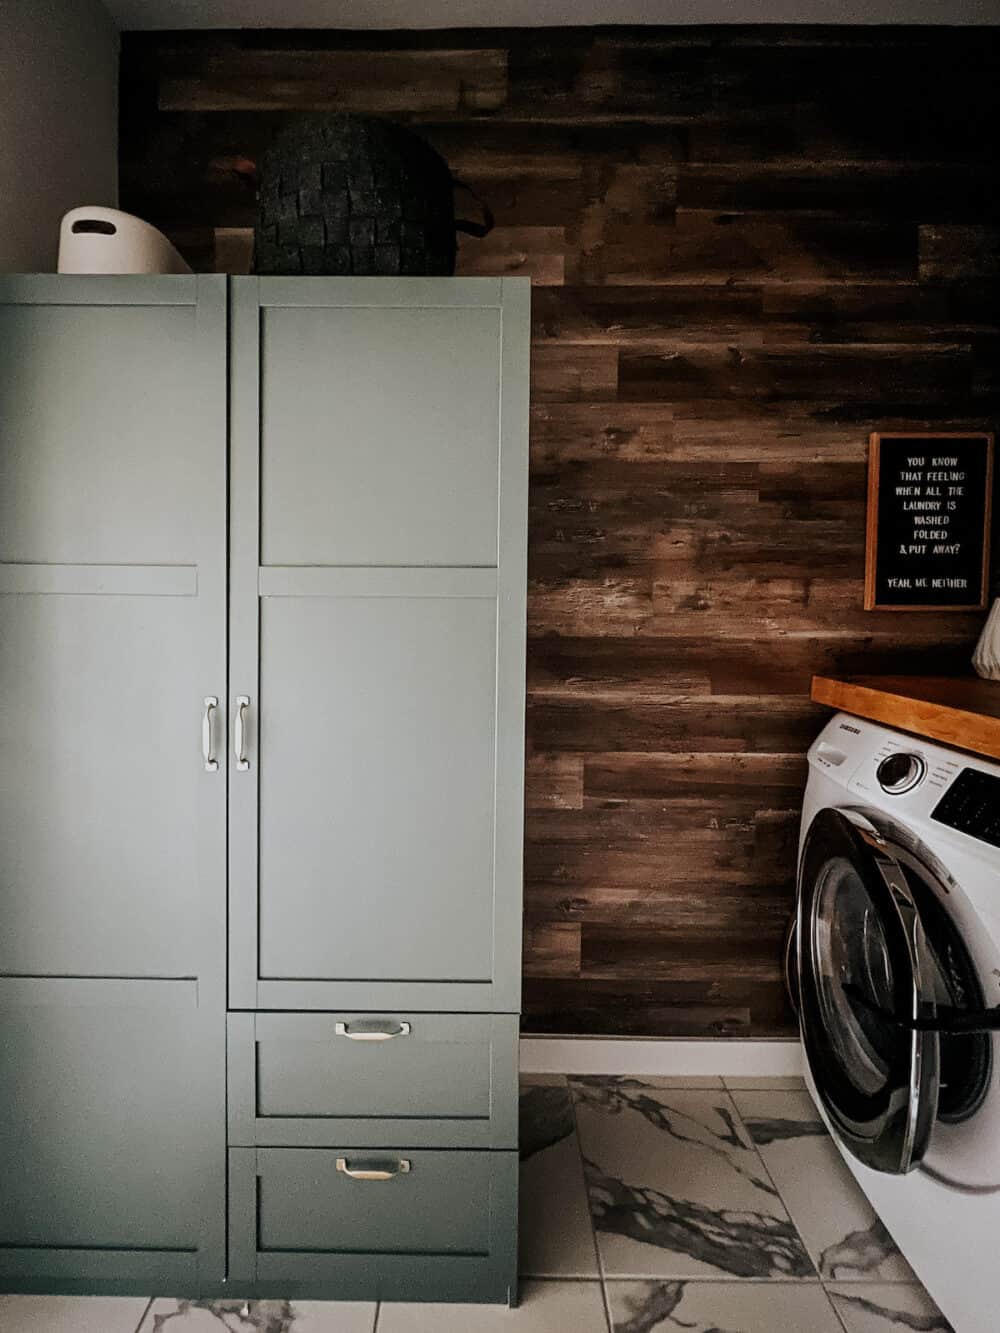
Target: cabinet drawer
{"x": 363, "y": 1223}
{"x": 426, "y": 1080}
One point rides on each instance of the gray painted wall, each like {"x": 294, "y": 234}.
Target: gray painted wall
{"x": 535, "y": 13}
{"x": 58, "y": 122}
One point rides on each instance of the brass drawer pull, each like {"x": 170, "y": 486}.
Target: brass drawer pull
{"x": 402, "y": 1168}
{"x": 372, "y": 1034}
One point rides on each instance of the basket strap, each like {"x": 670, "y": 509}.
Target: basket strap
{"x": 474, "y": 228}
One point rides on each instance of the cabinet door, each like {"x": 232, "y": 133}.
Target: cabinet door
{"x": 108, "y": 1158}
{"x": 112, "y": 637}
{"x": 378, "y": 566}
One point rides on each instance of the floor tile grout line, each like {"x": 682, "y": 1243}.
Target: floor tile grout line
{"x": 598, "y": 1257}
{"x": 142, "y": 1318}
{"x": 832, "y": 1304}
{"x": 774, "y": 1185}
{"x": 602, "y": 1277}
{"x": 582, "y": 1169}
{"x": 586, "y": 1188}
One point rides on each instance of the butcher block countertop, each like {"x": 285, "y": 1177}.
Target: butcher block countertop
{"x": 963, "y": 711}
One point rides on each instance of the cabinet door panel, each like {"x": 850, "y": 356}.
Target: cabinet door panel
{"x": 105, "y": 1089}
{"x": 440, "y": 1069}
{"x": 377, "y": 763}
{"x": 99, "y": 716}
{"x": 379, "y": 436}
{"x": 102, "y": 431}
{"x": 306, "y": 1203}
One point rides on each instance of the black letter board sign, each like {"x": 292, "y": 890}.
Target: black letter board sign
{"x": 929, "y": 522}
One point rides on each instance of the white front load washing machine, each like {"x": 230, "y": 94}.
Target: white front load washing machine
{"x": 898, "y": 983}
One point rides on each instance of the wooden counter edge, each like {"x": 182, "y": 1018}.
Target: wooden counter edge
{"x": 976, "y": 732}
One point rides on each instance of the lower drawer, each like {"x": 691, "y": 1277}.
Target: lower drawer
{"x": 425, "y": 1080}
{"x": 367, "y": 1224}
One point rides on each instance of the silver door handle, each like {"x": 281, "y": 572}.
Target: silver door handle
{"x": 402, "y": 1168}
{"x": 239, "y": 732}
{"x": 207, "y": 737}
{"x": 372, "y": 1034}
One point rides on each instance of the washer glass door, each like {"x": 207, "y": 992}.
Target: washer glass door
{"x": 853, "y": 965}
{"x": 864, "y": 976}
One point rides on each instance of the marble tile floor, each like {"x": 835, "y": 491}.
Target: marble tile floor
{"x": 649, "y": 1205}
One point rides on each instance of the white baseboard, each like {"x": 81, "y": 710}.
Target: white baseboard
{"x": 660, "y": 1056}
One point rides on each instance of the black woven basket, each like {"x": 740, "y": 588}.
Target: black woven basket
{"x": 343, "y": 194}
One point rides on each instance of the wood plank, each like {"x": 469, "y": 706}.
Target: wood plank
{"x": 901, "y": 372}
{"x": 728, "y": 1005}
{"x": 622, "y": 953}
{"x": 658, "y": 603}
{"x": 906, "y": 190}
{"x": 551, "y": 948}
{"x": 710, "y": 724}
{"x": 641, "y": 314}
{"x": 959, "y": 251}
{"x": 538, "y": 253}
{"x": 553, "y": 781}
{"x": 956, "y": 710}
{"x": 236, "y": 78}
{"x": 761, "y": 780}
{"x": 705, "y": 316}
{"x": 709, "y": 247}
{"x": 651, "y": 669}
{"x": 561, "y": 373}
{"x": 644, "y": 905}
{"x": 633, "y": 432}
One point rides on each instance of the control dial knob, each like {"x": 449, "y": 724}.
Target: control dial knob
{"x": 900, "y": 773}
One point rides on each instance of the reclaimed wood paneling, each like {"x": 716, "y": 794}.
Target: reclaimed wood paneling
{"x": 749, "y": 247}
{"x": 228, "y": 77}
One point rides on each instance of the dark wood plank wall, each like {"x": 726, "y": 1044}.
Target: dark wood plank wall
{"x": 750, "y": 247}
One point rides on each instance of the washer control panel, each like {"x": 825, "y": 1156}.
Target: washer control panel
{"x": 936, "y": 794}
{"x": 900, "y": 772}
{"x": 972, "y": 805}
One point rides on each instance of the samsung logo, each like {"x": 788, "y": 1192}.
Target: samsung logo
{"x": 855, "y": 731}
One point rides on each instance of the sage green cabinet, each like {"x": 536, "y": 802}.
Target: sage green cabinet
{"x": 377, "y": 623}
{"x": 378, "y": 556}
{"x": 113, "y": 569}
{"x": 262, "y": 634}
